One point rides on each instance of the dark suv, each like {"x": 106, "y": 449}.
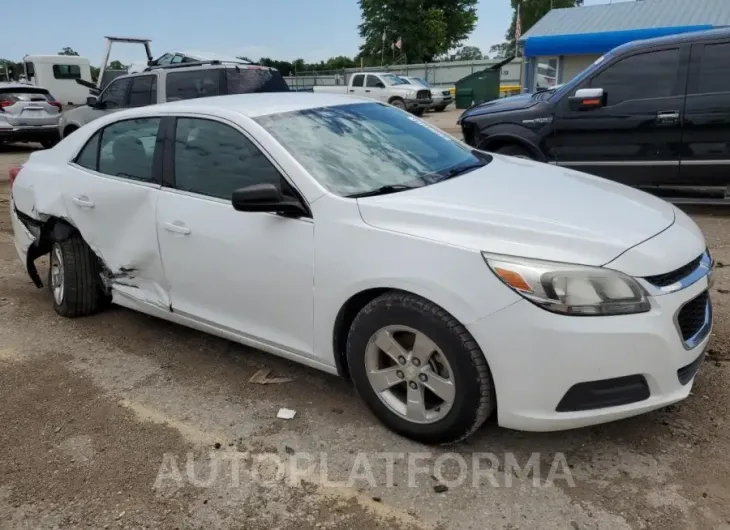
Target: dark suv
{"x": 653, "y": 114}
{"x": 174, "y": 82}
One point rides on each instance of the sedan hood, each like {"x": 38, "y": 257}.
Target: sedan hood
{"x": 522, "y": 208}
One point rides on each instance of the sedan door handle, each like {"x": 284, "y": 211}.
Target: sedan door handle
{"x": 82, "y": 201}
{"x": 177, "y": 227}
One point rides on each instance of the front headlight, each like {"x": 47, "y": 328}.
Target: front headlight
{"x": 570, "y": 289}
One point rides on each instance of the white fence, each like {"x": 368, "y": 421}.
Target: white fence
{"x": 445, "y": 73}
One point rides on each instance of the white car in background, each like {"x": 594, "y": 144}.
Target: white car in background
{"x": 347, "y": 235}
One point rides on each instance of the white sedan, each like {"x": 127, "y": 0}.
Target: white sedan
{"x": 345, "y": 234}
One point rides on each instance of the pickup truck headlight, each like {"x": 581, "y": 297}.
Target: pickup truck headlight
{"x": 570, "y": 289}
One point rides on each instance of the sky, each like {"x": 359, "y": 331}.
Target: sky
{"x": 280, "y": 29}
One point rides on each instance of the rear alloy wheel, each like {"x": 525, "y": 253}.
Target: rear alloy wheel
{"x": 74, "y": 278}
{"x": 418, "y": 369}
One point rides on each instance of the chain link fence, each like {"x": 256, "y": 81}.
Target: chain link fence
{"x": 442, "y": 74}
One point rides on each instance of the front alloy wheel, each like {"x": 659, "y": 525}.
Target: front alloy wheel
{"x": 409, "y": 374}
{"x": 419, "y": 369}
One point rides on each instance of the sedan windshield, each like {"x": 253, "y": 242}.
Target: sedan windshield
{"x": 358, "y": 149}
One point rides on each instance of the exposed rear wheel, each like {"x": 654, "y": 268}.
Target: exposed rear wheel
{"x": 418, "y": 369}
{"x": 74, "y": 278}
{"x": 440, "y": 109}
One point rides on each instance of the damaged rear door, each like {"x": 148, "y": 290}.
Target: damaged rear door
{"x": 111, "y": 198}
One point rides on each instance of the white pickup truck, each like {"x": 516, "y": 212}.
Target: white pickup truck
{"x": 385, "y": 87}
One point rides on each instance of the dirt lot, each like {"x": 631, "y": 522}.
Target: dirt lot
{"x": 124, "y": 421}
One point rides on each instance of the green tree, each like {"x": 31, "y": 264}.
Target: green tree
{"x": 426, "y": 28}
{"x": 531, "y": 11}
{"x": 68, "y": 51}
{"x": 117, "y": 65}
{"x": 468, "y": 53}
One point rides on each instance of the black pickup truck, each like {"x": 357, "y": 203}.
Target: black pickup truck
{"x": 654, "y": 114}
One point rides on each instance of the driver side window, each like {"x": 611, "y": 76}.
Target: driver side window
{"x": 214, "y": 159}
{"x": 114, "y": 95}
{"x": 373, "y": 82}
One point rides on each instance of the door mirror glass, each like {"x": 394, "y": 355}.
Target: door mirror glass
{"x": 265, "y": 198}
{"x": 92, "y": 101}
{"x": 380, "y": 84}
{"x": 588, "y": 99}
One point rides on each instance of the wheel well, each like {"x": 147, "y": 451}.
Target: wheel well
{"x": 69, "y": 129}
{"x": 344, "y": 320}
{"x": 391, "y": 100}
{"x": 499, "y": 143}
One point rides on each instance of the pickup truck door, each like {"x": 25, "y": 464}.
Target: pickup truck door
{"x": 357, "y": 85}
{"x": 375, "y": 89}
{"x": 706, "y": 125}
{"x": 636, "y": 137}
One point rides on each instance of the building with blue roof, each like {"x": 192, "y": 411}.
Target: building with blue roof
{"x": 566, "y": 41}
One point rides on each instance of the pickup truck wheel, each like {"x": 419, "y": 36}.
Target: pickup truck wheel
{"x": 74, "y": 278}
{"x": 418, "y": 369}
{"x": 398, "y": 102}
{"x": 515, "y": 151}
{"x": 48, "y": 143}
{"x": 440, "y": 109}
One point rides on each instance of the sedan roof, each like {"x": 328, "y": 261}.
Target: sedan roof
{"x": 262, "y": 104}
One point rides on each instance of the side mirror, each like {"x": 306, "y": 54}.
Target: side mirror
{"x": 92, "y": 101}
{"x": 588, "y": 99}
{"x": 380, "y": 85}
{"x": 265, "y": 198}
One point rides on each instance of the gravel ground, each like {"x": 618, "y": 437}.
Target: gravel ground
{"x": 124, "y": 421}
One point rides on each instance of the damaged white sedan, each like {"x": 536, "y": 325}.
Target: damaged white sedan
{"x": 345, "y": 234}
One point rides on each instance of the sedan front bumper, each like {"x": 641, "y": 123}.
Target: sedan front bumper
{"x": 555, "y": 372}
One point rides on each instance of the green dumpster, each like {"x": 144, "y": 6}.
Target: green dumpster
{"x": 480, "y": 86}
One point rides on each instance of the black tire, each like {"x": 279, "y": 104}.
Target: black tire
{"x": 398, "y": 102}
{"x": 419, "y": 112}
{"x": 515, "y": 151}
{"x": 48, "y": 143}
{"x": 68, "y": 130}
{"x": 83, "y": 293}
{"x": 440, "y": 109}
{"x": 474, "y": 398}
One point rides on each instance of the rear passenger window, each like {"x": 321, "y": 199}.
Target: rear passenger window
{"x": 193, "y": 84}
{"x": 253, "y": 80}
{"x": 214, "y": 159}
{"x": 715, "y": 75}
{"x": 128, "y": 147}
{"x": 143, "y": 91}
{"x": 358, "y": 80}
{"x": 87, "y": 157}
{"x": 644, "y": 76}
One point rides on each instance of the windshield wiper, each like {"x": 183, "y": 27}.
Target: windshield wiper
{"x": 460, "y": 170}
{"x": 383, "y": 190}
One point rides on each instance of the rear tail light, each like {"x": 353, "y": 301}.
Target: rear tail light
{"x": 6, "y": 103}
{"x": 14, "y": 174}
{"x": 56, "y": 104}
